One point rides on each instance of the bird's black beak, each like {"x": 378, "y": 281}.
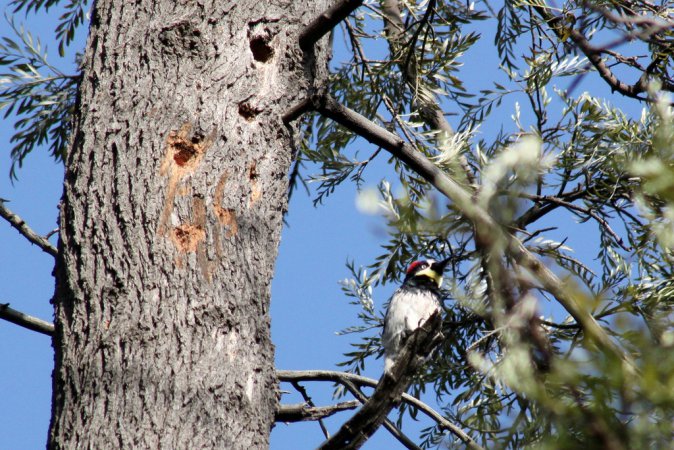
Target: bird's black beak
{"x": 439, "y": 266}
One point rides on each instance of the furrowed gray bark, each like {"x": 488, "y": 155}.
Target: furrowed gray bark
{"x": 175, "y": 186}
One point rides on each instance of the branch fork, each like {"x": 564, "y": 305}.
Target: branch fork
{"x": 355, "y": 431}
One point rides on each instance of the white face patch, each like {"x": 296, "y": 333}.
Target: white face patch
{"x": 430, "y": 272}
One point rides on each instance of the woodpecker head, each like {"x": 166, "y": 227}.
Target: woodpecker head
{"x": 424, "y": 272}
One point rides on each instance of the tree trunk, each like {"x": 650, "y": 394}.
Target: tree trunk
{"x": 175, "y": 187}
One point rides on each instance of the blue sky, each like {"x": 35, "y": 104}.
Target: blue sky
{"x": 307, "y": 309}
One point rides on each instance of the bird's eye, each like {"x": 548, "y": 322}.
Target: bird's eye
{"x": 424, "y": 266}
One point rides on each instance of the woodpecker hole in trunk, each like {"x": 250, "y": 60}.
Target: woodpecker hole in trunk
{"x": 261, "y": 49}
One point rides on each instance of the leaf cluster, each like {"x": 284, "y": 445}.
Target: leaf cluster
{"x": 567, "y": 163}
{"x": 35, "y": 93}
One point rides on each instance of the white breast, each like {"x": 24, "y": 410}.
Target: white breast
{"x": 409, "y": 308}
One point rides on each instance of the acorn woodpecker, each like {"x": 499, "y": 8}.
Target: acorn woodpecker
{"x": 411, "y": 305}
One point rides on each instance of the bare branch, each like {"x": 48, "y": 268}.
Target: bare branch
{"x": 652, "y": 25}
{"x": 361, "y": 399}
{"x": 363, "y": 424}
{"x": 26, "y": 321}
{"x": 594, "y": 56}
{"x": 20, "y": 225}
{"x": 355, "y": 431}
{"x": 322, "y": 24}
{"x": 310, "y": 402}
{"x": 560, "y": 25}
{"x": 304, "y": 412}
{"x": 395, "y": 432}
{"x": 295, "y": 112}
{"x": 580, "y": 209}
{"x": 537, "y": 211}
{"x": 345, "y": 378}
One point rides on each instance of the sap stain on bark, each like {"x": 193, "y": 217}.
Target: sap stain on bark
{"x": 185, "y": 153}
{"x": 190, "y": 237}
{"x": 226, "y": 216}
{"x": 183, "y": 156}
{"x": 187, "y": 237}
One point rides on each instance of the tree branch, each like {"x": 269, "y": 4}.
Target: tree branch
{"x": 303, "y": 392}
{"x": 345, "y": 378}
{"x": 537, "y": 211}
{"x": 427, "y": 104}
{"x": 395, "y": 432}
{"x": 580, "y": 209}
{"x": 593, "y": 54}
{"x": 26, "y": 321}
{"x": 295, "y": 112}
{"x": 304, "y": 412}
{"x": 355, "y": 431}
{"x": 322, "y": 24}
{"x": 487, "y": 231}
{"x": 20, "y": 225}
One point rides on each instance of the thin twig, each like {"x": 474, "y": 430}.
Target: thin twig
{"x": 588, "y": 211}
{"x": 303, "y": 392}
{"x": 537, "y": 211}
{"x": 559, "y": 25}
{"x": 20, "y": 225}
{"x": 430, "y": 9}
{"x": 561, "y": 326}
{"x": 302, "y": 412}
{"x": 658, "y": 24}
{"x": 26, "y": 321}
